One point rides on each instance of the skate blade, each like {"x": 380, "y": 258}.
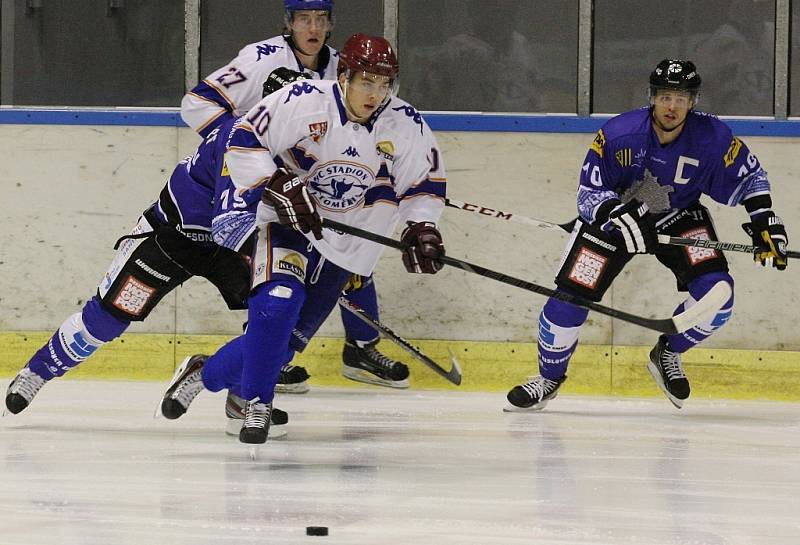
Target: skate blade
{"x": 297, "y": 388}
{"x": 253, "y": 451}
{"x": 653, "y": 370}
{"x": 509, "y": 408}
{"x": 365, "y": 377}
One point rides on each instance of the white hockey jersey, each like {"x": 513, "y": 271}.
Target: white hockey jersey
{"x": 370, "y": 176}
{"x": 236, "y": 87}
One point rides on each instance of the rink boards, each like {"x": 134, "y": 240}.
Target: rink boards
{"x": 487, "y": 366}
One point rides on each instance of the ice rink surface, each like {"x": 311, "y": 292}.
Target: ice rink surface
{"x": 87, "y": 464}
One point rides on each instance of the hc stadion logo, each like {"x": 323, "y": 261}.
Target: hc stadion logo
{"x": 339, "y": 185}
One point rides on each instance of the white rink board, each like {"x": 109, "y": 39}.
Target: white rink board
{"x": 377, "y": 466}
{"x": 71, "y": 191}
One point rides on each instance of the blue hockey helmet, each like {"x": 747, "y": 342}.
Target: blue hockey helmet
{"x": 297, "y": 5}
{"x": 675, "y": 75}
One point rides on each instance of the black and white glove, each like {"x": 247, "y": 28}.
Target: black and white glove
{"x": 637, "y": 225}
{"x": 423, "y": 248}
{"x": 769, "y": 238}
{"x": 280, "y": 78}
{"x": 288, "y": 195}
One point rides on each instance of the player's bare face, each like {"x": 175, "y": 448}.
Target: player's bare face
{"x": 365, "y": 93}
{"x": 309, "y": 28}
{"x": 670, "y": 109}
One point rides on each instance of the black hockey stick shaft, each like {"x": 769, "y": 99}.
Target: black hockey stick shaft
{"x": 663, "y": 239}
{"x": 716, "y": 245}
{"x": 666, "y": 325}
{"x": 453, "y": 375}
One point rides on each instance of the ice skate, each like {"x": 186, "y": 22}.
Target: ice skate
{"x": 292, "y": 380}
{"x": 186, "y": 384}
{"x": 533, "y": 395}
{"x": 666, "y": 368}
{"x": 22, "y": 390}
{"x": 235, "y": 409}
{"x": 366, "y": 364}
{"x": 256, "y": 423}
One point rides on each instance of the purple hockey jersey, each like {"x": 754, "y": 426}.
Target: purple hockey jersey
{"x": 706, "y": 159}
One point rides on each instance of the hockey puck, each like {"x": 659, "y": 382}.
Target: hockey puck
{"x": 316, "y": 530}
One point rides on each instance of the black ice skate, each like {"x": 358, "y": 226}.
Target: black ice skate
{"x": 665, "y": 366}
{"x": 22, "y": 390}
{"x": 366, "y": 364}
{"x": 235, "y": 409}
{"x": 292, "y": 380}
{"x": 533, "y": 395}
{"x": 256, "y": 423}
{"x": 186, "y": 384}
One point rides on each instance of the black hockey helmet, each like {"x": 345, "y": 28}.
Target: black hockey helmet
{"x": 676, "y": 75}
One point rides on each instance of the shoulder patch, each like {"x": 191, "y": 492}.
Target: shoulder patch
{"x": 599, "y": 143}
{"x": 385, "y": 148}
{"x": 624, "y": 157}
{"x": 733, "y": 151}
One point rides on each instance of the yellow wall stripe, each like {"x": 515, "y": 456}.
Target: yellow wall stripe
{"x": 487, "y": 366}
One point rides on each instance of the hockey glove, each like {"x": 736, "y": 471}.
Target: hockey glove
{"x": 280, "y": 78}
{"x": 769, "y": 238}
{"x": 288, "y": 195}
{"x": 423, "y": 248}
{"x": 637, "y": 225}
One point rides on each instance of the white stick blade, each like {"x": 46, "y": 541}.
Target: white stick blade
{"x": 705, "y": 309}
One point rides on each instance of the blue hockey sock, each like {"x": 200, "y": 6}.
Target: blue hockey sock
{"x": 224, "y": 368}
{"x": 681, "y": 342}
{"x": 559, "y": 328}
{"x": 272, "y": 313}
{"x": 366, "y": 298}
{"x": 76, "y": 340}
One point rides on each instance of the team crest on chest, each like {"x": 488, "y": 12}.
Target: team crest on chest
{"x": 317, "y": 130}
{"x": 340, "y": 185}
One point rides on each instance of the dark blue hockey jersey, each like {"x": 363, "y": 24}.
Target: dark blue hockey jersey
{"x": 706, "y": 159}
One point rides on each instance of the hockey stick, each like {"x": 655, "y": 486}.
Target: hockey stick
{"x": 703, "y": 310}
{"x": 453, "y": 375}
{"x": 509, "y": 216}
{"x": 716, "y": 245}
{"x": 663, "y": 239}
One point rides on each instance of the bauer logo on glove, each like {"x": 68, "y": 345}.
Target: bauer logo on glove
{"x": 289, "y": 196}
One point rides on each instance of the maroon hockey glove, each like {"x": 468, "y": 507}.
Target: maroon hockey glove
{"x": 770, "y": 239}
{"x": 423, "y": 248}
{"x": 288, "y": 195}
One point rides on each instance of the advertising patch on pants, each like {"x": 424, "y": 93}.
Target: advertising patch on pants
{"x": 588, "y": 268}
{"x": 698, "y": 255}
{"x": 288, "y": 261}
{"x": 133, "y": 296}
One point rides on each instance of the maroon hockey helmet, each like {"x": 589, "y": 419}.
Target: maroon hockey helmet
{"x": 372, "y": 54}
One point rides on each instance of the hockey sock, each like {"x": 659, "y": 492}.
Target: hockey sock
{"x": 76, "y": 340}
{"x": 366, "y": 298}
{"x": 272, "y": 313}
{"x": 559, "y": 327}
{"x": 224, "y": 368}
{"x": 681, "y": 342}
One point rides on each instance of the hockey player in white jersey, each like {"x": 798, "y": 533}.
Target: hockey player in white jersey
{"x": 231, "y": 91}
{"x": 347, "y": 150}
